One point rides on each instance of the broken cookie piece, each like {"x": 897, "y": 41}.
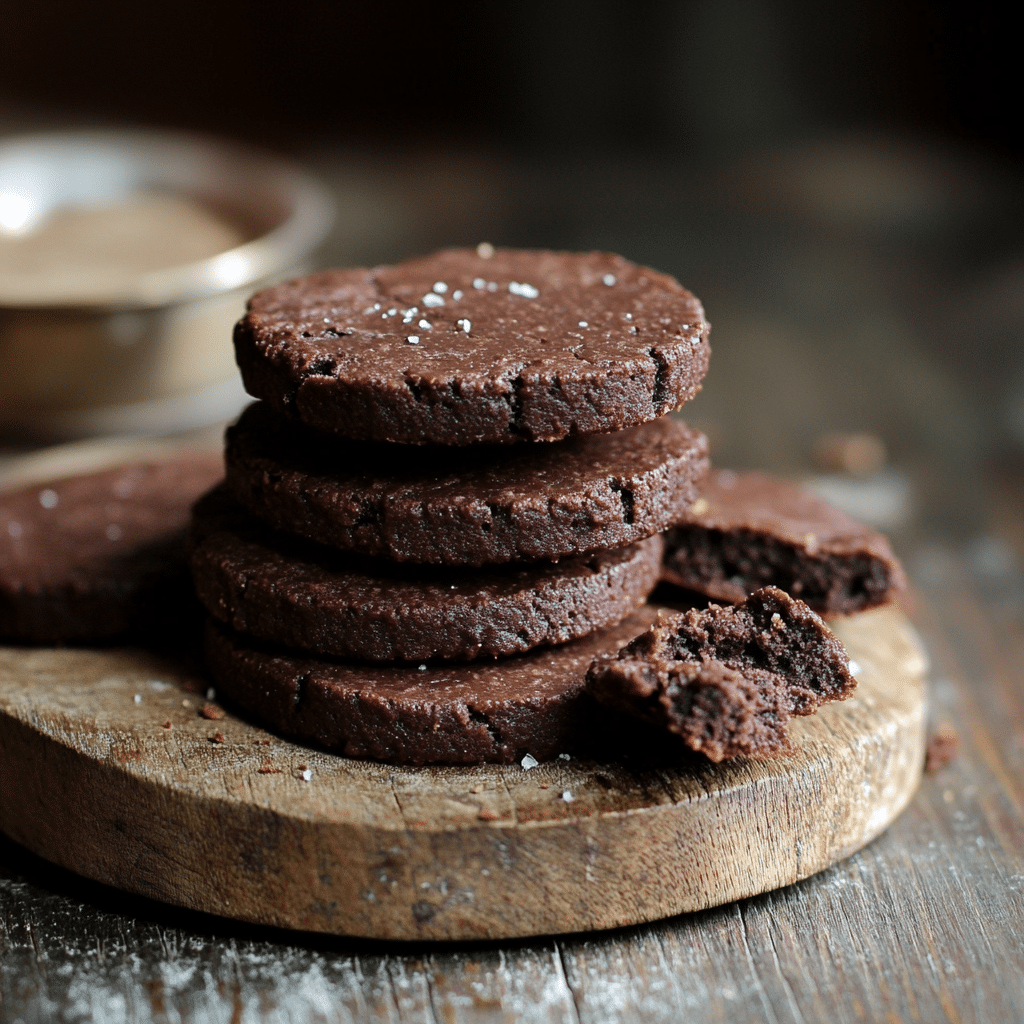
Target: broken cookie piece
{"x": 749, "y": 530}
{"x": 726, "y": 680}
{"x": 717, "y": 710}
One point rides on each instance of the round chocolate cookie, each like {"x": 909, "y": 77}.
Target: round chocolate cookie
{"x": 89, "y": 557}
{"x": 461, "y": 348}
{"x": 465, "y": 506}
{"x": 299, "y": 594}
{"x": 427, "y": 714}
{"x": 749, "y": 530}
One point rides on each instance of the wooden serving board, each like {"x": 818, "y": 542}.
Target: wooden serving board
{"x": 108, "y": 768}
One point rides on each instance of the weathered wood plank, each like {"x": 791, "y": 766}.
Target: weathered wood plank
{"x": 923, "y": 924}
{"x": 223, "y": 817}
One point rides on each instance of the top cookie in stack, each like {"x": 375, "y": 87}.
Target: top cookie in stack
{"x": 459, "y": 458}
{"x": 476, "y": 347}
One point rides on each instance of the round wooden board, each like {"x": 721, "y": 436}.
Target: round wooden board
{"x": 94, "y": 781}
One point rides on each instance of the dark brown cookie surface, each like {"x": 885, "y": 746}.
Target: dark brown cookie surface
{"x": 749, "y": 530}
{"x": 727, "y": 679}
{"x": 302, "y": 595}
{"x": 89, "y": 557}
{"x": 716, "y": 710}
{"x": 436, "y": 713}
{"x": 465, "y": 506}
{"x": 457, "y": 349}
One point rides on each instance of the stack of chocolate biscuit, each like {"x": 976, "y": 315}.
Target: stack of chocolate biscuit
{"x": 448, "y": 502}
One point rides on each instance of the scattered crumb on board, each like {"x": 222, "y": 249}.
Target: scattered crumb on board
{"x": 943, "y": 746}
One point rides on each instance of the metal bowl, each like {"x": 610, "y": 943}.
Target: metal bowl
{"x": 145, "y": 351}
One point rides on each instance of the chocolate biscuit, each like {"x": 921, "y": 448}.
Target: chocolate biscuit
{"x": 465, "y": 506}
{"x": 432, "y": 713}
{"x": 91, "y": 557}
{"x": 716, "y": 710}
{"x": 726, "y": 680}
{"x": 459, "y": 349}
{"x": 299, "y": 594}
{"x": 749, "y": 530}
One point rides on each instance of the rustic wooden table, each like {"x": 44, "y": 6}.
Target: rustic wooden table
{"x": 925, "y": 924}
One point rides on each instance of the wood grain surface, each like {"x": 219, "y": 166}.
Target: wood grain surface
{"x": 922, "y": 925}
{"x": 112, "y": 770}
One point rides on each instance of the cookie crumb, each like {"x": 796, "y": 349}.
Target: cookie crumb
{"x": 943, "y": 746}
{"x": 478, "y": 788}
{"x": 167, "y": 725}
{"x": 212, "y": 712}
{"x": 267, "y": 769}
{"x": 217, "y": 737}
{"x": 487, "y": 816}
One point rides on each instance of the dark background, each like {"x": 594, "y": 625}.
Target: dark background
{"x": 839, "y": 182}
{"x": 691, "y": 75}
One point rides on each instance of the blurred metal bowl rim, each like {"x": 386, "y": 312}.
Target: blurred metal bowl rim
{"x": 310, "y": 218}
